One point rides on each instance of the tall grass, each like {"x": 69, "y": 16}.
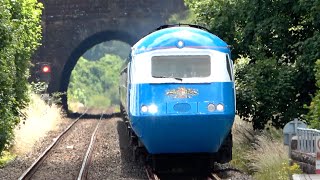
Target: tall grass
{"x": 261, "y": 153}
{"x": 41, "y": 118}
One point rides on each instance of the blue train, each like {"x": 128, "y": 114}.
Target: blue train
{"x": 177, "y": 94}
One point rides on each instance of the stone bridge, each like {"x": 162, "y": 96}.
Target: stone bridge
{"x": 71, "y": 27}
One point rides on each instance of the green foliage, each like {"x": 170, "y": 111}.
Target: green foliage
{"x": 57, "y": 97}
{"x": 185, "y": 17}
{"x": 278, "y": 171}
{"x": 281, "y": 39}
{"x": 110, "y": 47}
{"x": 20, "y": 33}
{"x": 265, "y": 91}
{"x": 5, "y": 158}
{"x": 95, "y": 83}
{"x": 38, "y": 87}
{"x": 261, "y": 153}
{"x": 239, "y": 157}
{"x": 314, "y": 108}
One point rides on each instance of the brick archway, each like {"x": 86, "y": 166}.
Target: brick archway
{"x": 70, "y": 27}
{"x": 82, "y": 48}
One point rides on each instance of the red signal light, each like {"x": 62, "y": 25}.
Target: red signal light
{"x": 46, "y": 69}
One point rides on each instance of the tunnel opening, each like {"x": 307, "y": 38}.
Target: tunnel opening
{"x": 89, "y": 77}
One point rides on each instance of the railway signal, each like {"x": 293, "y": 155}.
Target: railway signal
{"x": 46, "y": 69}
{"x": 43, "y": 71}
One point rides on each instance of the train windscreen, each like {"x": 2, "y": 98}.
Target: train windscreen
{"x": 191, "y": 66}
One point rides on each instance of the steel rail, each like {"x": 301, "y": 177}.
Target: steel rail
{"x": 35, "y": 165}
{"x": 87, "y": 159}
{"x": 214, "y": 177}
{"x": 150, "y": 174}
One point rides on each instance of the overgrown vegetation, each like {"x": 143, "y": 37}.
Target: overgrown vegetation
{"x": 6, "y": 157}
{"x": 280, "y": 40}
{"x": 261, "y": 153}
{"x": 20, "y": 33}
{"x": 275, "y": 45}
{"x": 39, "y": 115}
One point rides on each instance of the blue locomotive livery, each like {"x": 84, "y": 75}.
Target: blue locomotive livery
{"x": 178, "y": 95}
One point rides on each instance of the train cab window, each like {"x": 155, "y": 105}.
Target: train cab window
{"x": 229, "y": 67}
{"x": 181, "y": 66}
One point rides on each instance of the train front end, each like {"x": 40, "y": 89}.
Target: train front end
{"x": 181, "y": 94}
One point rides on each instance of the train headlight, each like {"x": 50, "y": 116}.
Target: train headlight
{"x": 180, "y": 44}
{"x": 211, "y": 107}
{"x": 220, "y": 107}
{"x": 144, "y": 109}
{"x": 153, "y": 109}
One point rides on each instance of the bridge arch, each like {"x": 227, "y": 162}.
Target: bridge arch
{"x": 79, "y": 50}
{"x": 69, "y": 28}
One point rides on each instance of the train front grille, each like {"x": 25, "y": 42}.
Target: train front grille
{"x": 182, "y": 107}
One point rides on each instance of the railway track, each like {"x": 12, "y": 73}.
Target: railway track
{"x": 214, "y": 176}
{"x": 29, "y": 173}
{"x": 87, "y": 159}
{"x": 153, "y": 176}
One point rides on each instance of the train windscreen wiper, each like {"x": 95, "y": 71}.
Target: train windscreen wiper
{"x": 176, "y": 78}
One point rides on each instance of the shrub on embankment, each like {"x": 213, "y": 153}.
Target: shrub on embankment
{"x": 40, "y": 116}
{"x": 20, "y": 33}
{"x": 261, "y": 153}
{"x": 314, "y": 108}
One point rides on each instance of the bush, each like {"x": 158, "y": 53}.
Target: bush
{"x": 20, "y": 32}
{"x": 261, "y": 153}
{"x": 265, "y": 91}
{"x": 313, "y": 116}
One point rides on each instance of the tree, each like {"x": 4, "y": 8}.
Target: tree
{"x": 281, "y": 40}
{"x": 110, "y": 47}
{"x": 20, "y": 33}
{"x": 314, "y": 108}
{"x": 95, "y": 83}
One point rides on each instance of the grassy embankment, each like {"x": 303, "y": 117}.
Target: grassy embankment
{"x": 41, "y": 118}
{"x": 261, "y": 153}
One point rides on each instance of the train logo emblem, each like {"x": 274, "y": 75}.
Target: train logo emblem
{"x": 182, "y": 92}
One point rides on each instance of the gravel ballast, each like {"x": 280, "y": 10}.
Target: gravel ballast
{"x": 111, "y": 159}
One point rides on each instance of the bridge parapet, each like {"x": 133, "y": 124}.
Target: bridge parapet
{"x": 306, "y": 140}
{"x": 301, "y": 143}
{"x": 303, "y": 147}
{"x": 118, "y": 8}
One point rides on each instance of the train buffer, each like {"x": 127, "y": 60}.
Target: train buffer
{"x": 306, "y": 177}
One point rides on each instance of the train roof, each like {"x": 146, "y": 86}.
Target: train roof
{"x": 180, "y": 37}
